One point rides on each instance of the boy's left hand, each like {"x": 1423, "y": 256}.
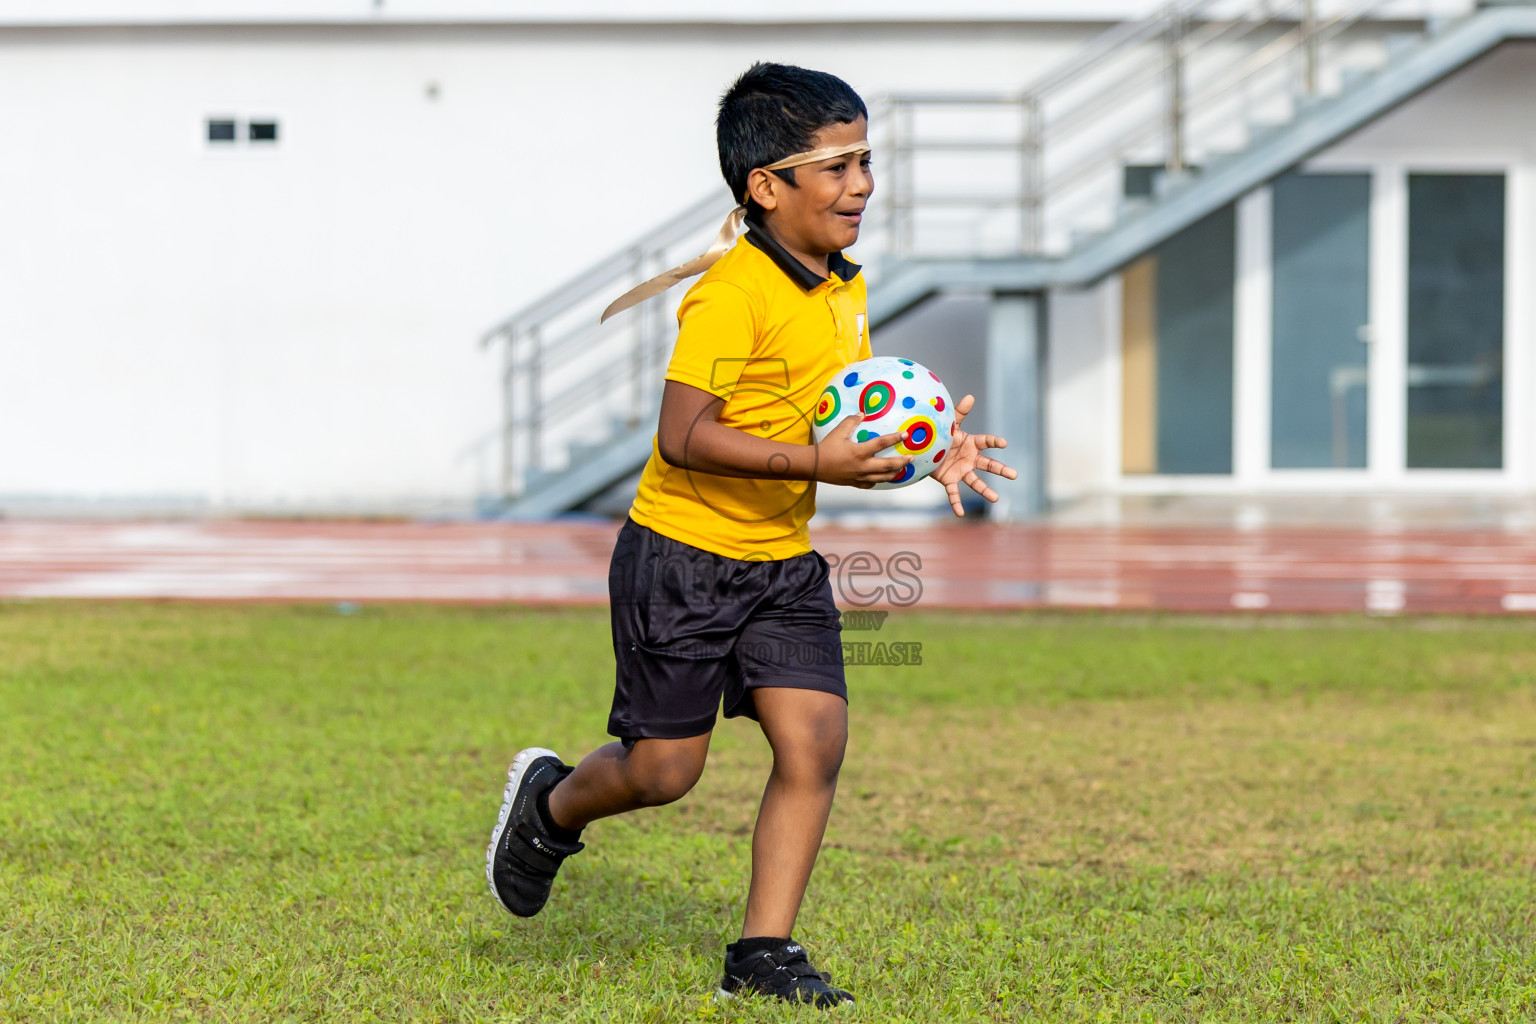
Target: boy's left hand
{"x": 965, "y": 458}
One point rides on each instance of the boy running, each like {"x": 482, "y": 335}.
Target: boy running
{"x": 715, "y": 591}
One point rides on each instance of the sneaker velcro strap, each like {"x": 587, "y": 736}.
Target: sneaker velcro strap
{"x": 539, "y": 852}
{"x": 796, "y": 965}
{"x": 790, "y": 961}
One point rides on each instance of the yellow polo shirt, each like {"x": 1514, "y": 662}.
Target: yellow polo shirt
{"x": 766, "y": 333}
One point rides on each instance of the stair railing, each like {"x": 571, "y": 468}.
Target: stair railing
{"x": 558, "y": 361}
{"x": 1177, "y": 86}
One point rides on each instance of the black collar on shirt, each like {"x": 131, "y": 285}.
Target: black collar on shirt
{"x": 798, "y": 272}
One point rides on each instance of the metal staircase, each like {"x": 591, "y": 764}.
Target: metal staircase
{"x": 1150, "y": 127}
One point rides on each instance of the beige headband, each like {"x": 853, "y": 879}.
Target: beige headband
{"x": 729, "y": 231}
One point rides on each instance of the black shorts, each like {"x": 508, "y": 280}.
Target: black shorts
{"x": 691, "y": 627}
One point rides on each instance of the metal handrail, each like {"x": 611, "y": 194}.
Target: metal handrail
{"x": 1272, "y": 53}
{"x": 616, "y": 373}
{"x": 1078, "y": 118}
{"x": 600, "y": 277}
{"x": 1212, "y": 89}
{"x": 1122, "y": 36}
{"x": 1124, "y": 143}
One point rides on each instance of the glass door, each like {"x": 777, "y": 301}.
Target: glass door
{"x": 1320, "y": 379}
{"x": 1455, "y": 373}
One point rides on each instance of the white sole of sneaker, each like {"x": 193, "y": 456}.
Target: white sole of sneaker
{"x": 515, "y": 773}
{"x": 722, "y": 996}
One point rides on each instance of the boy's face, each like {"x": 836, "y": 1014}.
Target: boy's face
{"x": 820, "y": 213}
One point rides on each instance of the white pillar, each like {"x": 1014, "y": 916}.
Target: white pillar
{"x": 1519, "y": 336}
{"x": 1253, "y": 341}
{"x": 1388, "y": 412}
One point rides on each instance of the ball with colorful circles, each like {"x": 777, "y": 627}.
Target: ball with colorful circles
{"x": 896, "y": 396}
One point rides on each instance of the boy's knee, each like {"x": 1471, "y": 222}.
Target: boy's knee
{"x": 831, "y": 759}
{"x": 819, "y": 755}
{"x": 831, "y": 731}
{"x": 832, "y": 743}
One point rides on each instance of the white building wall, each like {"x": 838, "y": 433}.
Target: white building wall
{"x": 297, "y": 326}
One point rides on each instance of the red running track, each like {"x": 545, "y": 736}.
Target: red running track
{"x": 960, "y": 565}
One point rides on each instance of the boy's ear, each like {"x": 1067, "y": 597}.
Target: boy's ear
{"x": 762, "y": 187}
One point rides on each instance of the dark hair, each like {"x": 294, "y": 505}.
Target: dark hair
{"x": 773, "y": 111}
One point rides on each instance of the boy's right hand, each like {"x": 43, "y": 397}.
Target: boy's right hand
{"x": 842, "y": 460}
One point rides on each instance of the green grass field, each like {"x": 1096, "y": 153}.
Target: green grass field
{"x": 280, "y": 813}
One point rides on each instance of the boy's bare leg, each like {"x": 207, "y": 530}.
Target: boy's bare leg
{"x": 612, "y": 780}
{"x": 808, "y": 731}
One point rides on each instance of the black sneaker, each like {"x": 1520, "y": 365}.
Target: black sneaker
{"x": 784, "y": 973}
{"x": 522, "y": 859}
